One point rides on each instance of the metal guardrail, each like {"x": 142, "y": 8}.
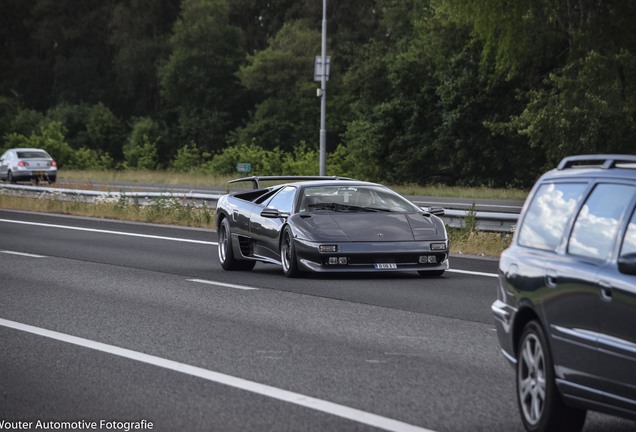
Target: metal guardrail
{"x": 483, "y": 221}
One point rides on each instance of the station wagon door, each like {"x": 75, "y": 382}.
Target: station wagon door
{"x": 617, "y": 341}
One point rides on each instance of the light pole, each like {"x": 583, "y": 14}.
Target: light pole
{"x": 323, "y": 93}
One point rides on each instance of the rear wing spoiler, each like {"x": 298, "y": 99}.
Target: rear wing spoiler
{"x": 257, "y": 179}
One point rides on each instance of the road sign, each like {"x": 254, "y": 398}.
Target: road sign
{"x": 243, "y": 167}
{"x": 318, "y": 69}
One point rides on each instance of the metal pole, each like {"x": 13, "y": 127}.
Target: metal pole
{"x": 323, "y": 96}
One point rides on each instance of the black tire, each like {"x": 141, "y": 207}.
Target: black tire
{"x": 10, "y": 178}
{"x": 540, "y": 404}
{"x": 226, "y": 253}
{"x": 436, "y": 273}
{"x": 288, "y": 254}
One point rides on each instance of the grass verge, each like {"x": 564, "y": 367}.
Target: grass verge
{"x": 170, "y": 210}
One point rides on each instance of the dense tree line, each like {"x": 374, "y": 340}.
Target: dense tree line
{"x": 460, "y": 92}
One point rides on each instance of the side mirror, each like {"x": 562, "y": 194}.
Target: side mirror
{"x": 272, "y": 213}
{"x": 437, "y": 211}
{"x": 627, "y": 264}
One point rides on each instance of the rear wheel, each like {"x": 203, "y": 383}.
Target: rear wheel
{"x": 542, "y": 408}
{"x": 288, "y": 254}
{"x": 226, "y": 253}
{"x": 10, "y": 178}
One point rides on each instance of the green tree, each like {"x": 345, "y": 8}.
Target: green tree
{"x": 281, "y": 76}
{"x": 140, "y": 150}
{"x": 198, "y": 81}
{"x": 139, "y": 34}
{"x": 188, "y": 158}
{"x": 589, "y": 106}
{"x": 50, "y": 137}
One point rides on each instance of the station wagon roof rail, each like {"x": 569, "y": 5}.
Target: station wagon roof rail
{"x": 599, "y": 160}
{"x": 257, "y": 179}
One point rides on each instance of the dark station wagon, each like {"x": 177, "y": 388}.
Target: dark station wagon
{"x": 566, "y": 307}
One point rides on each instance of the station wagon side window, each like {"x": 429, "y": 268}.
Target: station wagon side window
{"x": 284, "y": 200}
{"x": 598, "y": 221}
{"x": 548, "y": 214}
{"x": 629, "y": 242}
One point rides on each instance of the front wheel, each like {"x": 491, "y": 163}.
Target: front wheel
{"x": 542, "y": 408}
{"x": 226, "y": 253}
{"x": 288, "y": 254}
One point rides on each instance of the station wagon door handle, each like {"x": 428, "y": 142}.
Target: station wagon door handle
{"x": 551, "y": 278}
{"x": 606, "y": 290}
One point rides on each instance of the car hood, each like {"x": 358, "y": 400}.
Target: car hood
{"x": 376, "y": 227}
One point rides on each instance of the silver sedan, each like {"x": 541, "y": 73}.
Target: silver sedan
{"x": 27, "y": 164}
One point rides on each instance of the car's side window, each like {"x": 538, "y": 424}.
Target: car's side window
{"x": 629, "y": 241}
{"x": 284, "y": 200}
{"x": 548, "y": 214}
{"x": 598, "y": 221}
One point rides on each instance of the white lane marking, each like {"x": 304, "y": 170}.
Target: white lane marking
{"x": 22, "y": 254}
{"x": 493, "y": 275}
{"x": 217, "y": 377}
{"x": 241, "y": 287}
{"x": 110, "y": 232}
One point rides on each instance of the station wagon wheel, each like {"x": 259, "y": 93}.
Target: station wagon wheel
{"x": 541, "y": 405}
{"x": 226, "y": 253}
{"x": 288, "y": 254}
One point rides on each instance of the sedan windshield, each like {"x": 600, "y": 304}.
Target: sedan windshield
{"x": 354, "y": 199}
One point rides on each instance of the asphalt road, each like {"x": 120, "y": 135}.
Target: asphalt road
{"x": 119, "y": 322}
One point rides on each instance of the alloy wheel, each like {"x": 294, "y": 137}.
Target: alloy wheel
{"x": 532, "y": 379}
{"x": 223, "y": 239}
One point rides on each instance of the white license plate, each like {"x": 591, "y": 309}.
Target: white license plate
{"x": 385, "y": 266}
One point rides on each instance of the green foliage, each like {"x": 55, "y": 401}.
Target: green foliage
{"x": 288, "y": 111}
{"x": 188, "y": 158}
{"x": 26, "y": 121}
{"x": 264, "y": 162}
{"x": 459, "y": 92}
{"x": 50, "y": 138}
{"x": 198, "y": 81}
{"x": 105, "y": 131}
{"x": 90, "y": 159}
{"x": 302, "y": 161}
{"x": 140, "y": 151}
{"x": 90, "y": 126}
{"x": 588, "y": 106}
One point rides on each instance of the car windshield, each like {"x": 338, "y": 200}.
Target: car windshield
{"x": 354, "y": 199}
{"x": 32, "y": 155}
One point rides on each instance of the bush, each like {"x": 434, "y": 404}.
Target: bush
{"x": 302, "y": 161}
{"x": 188, "y": 158}
{"x": 51, "y": 138}
{"x": 89, "y": 159}
{"x": 140, "y": 151}
{"x": 263, "y": 162}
